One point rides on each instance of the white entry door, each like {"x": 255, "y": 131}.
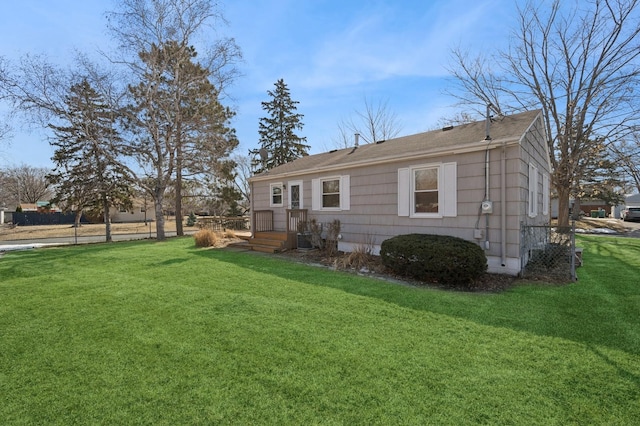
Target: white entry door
{"x": 295, "y": 195}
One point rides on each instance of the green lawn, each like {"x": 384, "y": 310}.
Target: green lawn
{"x": 164, "y": 333}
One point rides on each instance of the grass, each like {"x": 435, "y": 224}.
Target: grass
{"x": 150, "y": 333}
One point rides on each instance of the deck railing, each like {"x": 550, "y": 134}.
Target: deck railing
{"x": 262, "y": 221}
{"x": 296, "y": 220}
{"x": 221, "y": 223}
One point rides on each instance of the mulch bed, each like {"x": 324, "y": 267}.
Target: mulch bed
{"x": 374, "y": 268}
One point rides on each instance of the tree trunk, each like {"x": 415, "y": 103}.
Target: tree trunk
{"x": 563, "y": 205}
{"x": 107, "y": 219}
{"x": 157, "y": 201}
{"x": 178, "y": 186}
{"x": 77, "y": 219}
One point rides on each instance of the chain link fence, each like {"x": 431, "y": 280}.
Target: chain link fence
{"x": 548, "y": 252}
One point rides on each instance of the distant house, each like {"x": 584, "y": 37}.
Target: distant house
{"x": 632, "y": 200}
{"x": 40, "y": 207}
{"x": 141, "y": 211}
{"x": 478, "y": 181}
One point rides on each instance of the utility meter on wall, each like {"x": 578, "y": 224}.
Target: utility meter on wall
{"x": 487, "y": 207}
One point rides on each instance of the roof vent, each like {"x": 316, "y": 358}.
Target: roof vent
{"x": 333, "y": 150}
{"x": 379, "y": 142}
{"x": 445, "y": 129}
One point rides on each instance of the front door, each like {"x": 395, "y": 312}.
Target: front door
{"x": 295, "y": 195}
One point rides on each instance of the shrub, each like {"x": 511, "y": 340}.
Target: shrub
{"x": 229, "y": 233}
{"x": 205, "y": 238}
{"x": 448, "y": 260}
{"x": 191, "y": 220}
{"x": 360, "y": 257}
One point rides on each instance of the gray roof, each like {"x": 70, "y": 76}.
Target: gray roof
{"x": 506, "y": 128}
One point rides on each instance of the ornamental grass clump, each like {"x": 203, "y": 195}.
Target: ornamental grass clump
{"x": 205, "y": 238}
{"x": 444, "y": 259}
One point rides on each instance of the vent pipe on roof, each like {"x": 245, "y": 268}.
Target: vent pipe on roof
{"x": 356, "y": 139}
{"x": 488, "y": 123}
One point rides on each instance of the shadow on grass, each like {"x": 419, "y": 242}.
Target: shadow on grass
{"x": 582, "y": 312}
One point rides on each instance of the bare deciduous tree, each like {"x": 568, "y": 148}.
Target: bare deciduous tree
{"x": 156, "y": 42}
{"x": 580, "y": 65}
{"x": 373, "y": 124}
{"x": 24, "y": 184}
{"x": 627, "y": 155}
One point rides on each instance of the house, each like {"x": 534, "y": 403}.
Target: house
{"x": 631, "y": 200}
{"x": 142, "y": 210}
{"x": 477, "y": 181}
{"x": 585, "y": 206}
{"x": 40, "y": 207}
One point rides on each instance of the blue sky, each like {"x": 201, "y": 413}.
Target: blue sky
{"x": 331, "y": 54}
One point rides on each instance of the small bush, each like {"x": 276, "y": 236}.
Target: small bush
{"x": 358, "y": 259}
{"x": 191, "y": 220}
{"x": 448, "y": 260}
{"x": 205, "y": 238}
{"x": 229, "y": 233}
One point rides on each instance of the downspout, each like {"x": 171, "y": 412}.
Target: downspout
{"x": 486, "y": 174}
{"x": 486, "y": 197}
{"x": 503, "y": 205}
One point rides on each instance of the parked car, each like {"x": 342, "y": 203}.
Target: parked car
{"x": 631, "y": 213}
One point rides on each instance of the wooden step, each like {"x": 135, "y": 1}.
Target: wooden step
{"x": 266, "y": 249}
{"x": 266, "y": 242}
{"x": 271, "y": 235}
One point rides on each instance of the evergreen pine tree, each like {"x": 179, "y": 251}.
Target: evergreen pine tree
{"x": 277, "y": 131}
{"x": 87, "y": 174}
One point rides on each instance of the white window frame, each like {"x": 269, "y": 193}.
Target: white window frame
{"x": 447, "y": 190}
{"x": 322, "y": 180}
{"x": 438, "y": 190}
{"x": 533, "y": 191}
{"x": 345, "y": 193}
{"x": 273, "y": 186}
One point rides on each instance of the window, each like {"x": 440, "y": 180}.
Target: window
{"x": 428, "y": 190}
{"x": 276, "y": 195}
{"x": 330, "y": 193}
{"x": 533, "y": 190}
{"x": 425, "y": 190}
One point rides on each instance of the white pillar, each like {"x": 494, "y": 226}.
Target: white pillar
{"x": 1, "y": 216}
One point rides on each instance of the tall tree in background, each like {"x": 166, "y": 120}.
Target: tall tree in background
{"x": 375, "y": 123}
{"x": 580, "y": 65}
{"x": 87, "y": 172}
{"x": 278, "y": 138}
{"x": 627, "y": 155}
{"x": 4, "y": 127}
{"x": 172, "y": 106}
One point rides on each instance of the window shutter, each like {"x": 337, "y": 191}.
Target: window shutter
{"x": 345, "y": 192}
{"x": 316, "y": 194}
{"x": 449, "y": 190}
{"x": 533, "y": 190}
{"x": 545, "y": 194}
{"x": 404, "y": 192}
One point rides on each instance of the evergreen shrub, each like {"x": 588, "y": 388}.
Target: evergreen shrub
{"x": 447, "y": 260}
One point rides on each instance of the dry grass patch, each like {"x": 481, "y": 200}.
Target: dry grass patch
{"x": 206, "y": 238}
